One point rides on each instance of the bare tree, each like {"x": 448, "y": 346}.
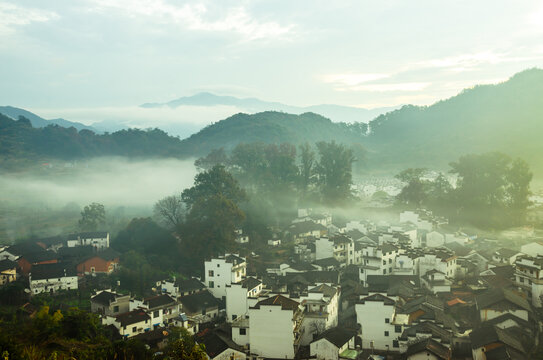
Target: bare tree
{"x": 170, "y": 211}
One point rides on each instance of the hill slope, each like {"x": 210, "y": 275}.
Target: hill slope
{"x": 20, "y": 143}
{"x": 506, "y": 117}
{"x": 271, "y": 127}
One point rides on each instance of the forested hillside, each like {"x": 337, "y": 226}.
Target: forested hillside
{"x": 272, "y": 127}
{"x": 507, "y": 117}
{"x": 20, "y": 142}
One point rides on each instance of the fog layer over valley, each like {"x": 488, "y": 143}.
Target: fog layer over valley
{"x": 126, "y": 187}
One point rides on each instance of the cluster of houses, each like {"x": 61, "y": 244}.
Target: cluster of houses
{"x": 412, "y": 289}
{"x": 57, "y": 263}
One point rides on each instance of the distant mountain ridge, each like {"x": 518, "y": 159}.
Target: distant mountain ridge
{"x": 39, "y": 122}
{"x": 336, "y": 113}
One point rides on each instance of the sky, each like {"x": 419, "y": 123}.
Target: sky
{"x": 69, "y": 59}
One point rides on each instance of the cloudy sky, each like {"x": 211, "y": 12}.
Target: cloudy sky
{"x": 106, "y": 54}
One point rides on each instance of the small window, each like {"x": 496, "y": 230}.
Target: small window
{"x": 242, "y": 331}
{"x": 218, "y": 265}
{"x": 390, "y": 261}
{"x": 156, "y": 313}
{"x": 386, "y": 333}
{"x": 387, "y": 320}
{"x": 234, "y": 317}
{"x": 210, "y": 273}
{"x": 133, "y": 329}
{"x": 395, "y": 343}
{"x": 116, "y": 308}
{"x": 384, "y": 262}
{"x": 211, "y": 284}
{"x": 384, "y": 271}
{"x": 398, "y": 328}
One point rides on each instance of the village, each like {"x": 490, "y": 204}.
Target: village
{"x": 410, "y": 289}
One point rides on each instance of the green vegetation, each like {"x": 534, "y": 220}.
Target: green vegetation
{"x": 93, "y": 217}
{"x": 21, "y": 143}
{"x": 504, "y": 118}
{"x": 491, "y": 190}
{"x": 76, "y": 334}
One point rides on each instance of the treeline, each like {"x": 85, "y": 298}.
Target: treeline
{"x": 490, "y": 190}
{"x": 318, "y": 174}
{"x": 20, "y": 142}
{"x": 77, "y": 334}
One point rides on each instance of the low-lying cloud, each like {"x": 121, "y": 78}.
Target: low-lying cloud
{"x": 109, "y": 181}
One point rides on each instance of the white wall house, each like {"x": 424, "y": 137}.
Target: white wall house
{"x": 444, "y": 261}
{"x": 97, "y": 239}
{"x": 436, "y": 282}
{"x": 237, "y": 304}
{"x": 50, "y": 278}
{"x": 529, "y": 276}
{"x": 223, "y": 271}
{"x": 130, "y": 323}
{"x": 275, "y": 326}
{"x": 321, "y": 305}
{"x": 380, "y": 328}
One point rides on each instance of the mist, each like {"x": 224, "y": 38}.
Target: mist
{"x": 109, "y": 181}
{"x": 47, "y": 201}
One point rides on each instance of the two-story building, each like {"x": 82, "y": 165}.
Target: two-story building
{"x": 223, "y": 271}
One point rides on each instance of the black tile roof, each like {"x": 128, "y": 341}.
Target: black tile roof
{"x": 190, "y": 285}
{"x": 331, "y": 261}
{"x": 24, "y": 248}
{"x": 37, "y": 257}
{"x": 378, "y": 297}
{"x": 132, "y": 317}
{"x": 489, "y": 334}
{"x": 215, "y": 344}
{"x": 195, "y": 303}
{"x": 159, "y": 301}
{"x": 337, "y": 336}
{"x": 8, "y": 265}
{"x": 104, "y": 298}
{"x": 250, "y": 283}
{"x": 429, "y": 345}
{"x": 494, "y": 296}
{"x": 52, "y": 271}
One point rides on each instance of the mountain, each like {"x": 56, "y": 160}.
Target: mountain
{"x": 39, "y": 122}
{"x": 506, "y": 117}
{"x": 337, "y": 113}
{"x": 271, "y": 127}
{"x": 21, "y": 143}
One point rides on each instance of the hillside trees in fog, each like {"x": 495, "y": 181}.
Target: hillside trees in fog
{"x": 334, "y": 172}
{"x": 492, "y": 190}
{"x": 169, "y": 211}
{"x": 93, "y": 217}
{"x": 213, "y": 213}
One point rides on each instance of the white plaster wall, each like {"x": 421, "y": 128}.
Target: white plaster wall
{"x": 371, "y": 316}
{"x": 271, "y": 332}
{"x": 236, "y": 301}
